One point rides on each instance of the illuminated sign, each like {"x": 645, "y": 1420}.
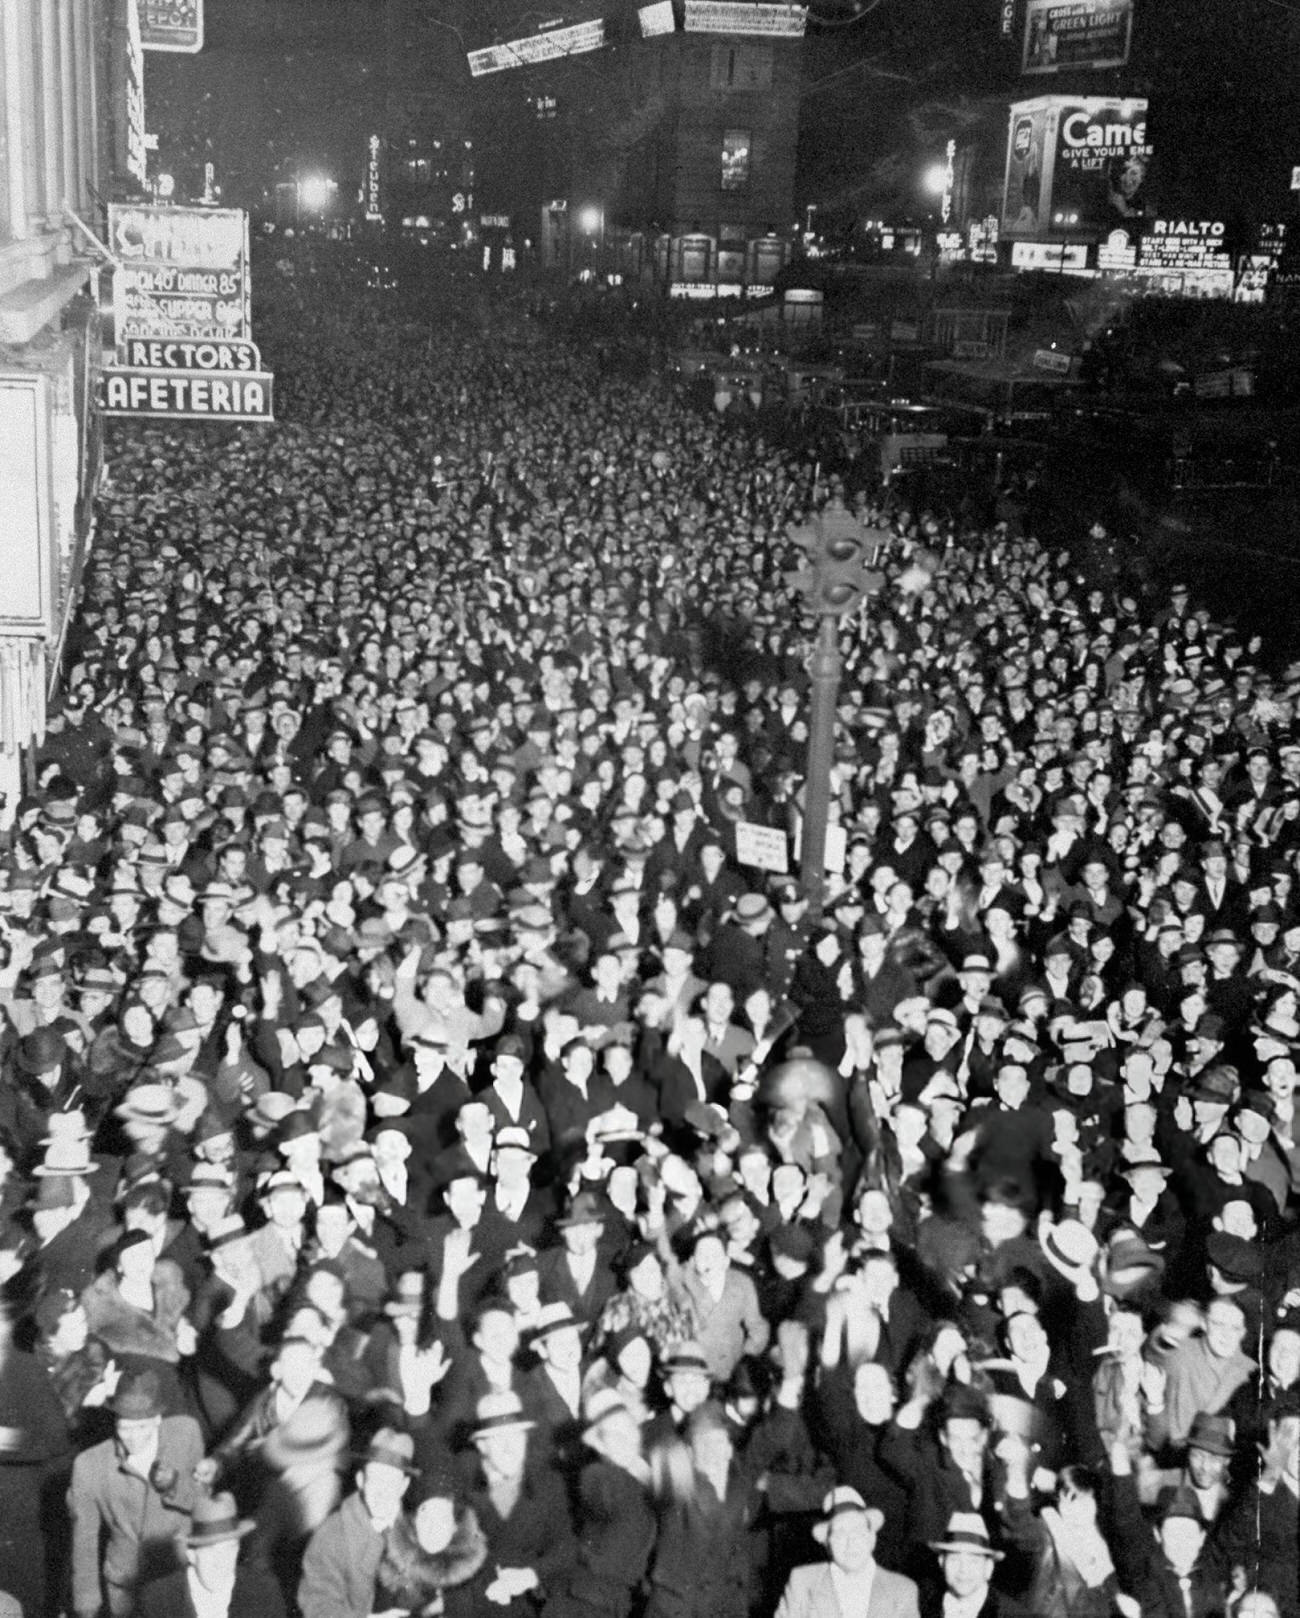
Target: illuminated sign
{"x": 1068, "y": 257}
{"x": 982, "y": 239}
{"x": 548, "y": 47}
{"x": 186, "y": 395}
{"x": 1117, "y": 252}
{"x": 373, "y": 150}
{"x": 1075, "y": 164}
{"x": 740, "y": 17}
{"x": 172, "y": 25}
{"x": 145, "y": 354}
{"x": 184, "y": 273}
{"x": 494, "y": 221}
{"x": 656, "y": 18}
{"x": 1061, "y": 35}
{"x": 945, "y": 204}
{"x": 137, "y": 148}
{"x": 1184, "y": 244}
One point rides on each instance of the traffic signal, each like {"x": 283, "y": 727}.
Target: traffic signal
{"x": 838, "y": 576}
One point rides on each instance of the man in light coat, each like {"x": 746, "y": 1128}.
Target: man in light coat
{"x": 725, "y": 1302}
{"x": 850, "y": 1584}
{"x": 343, "y": 1555}
{"x": 130, "y": 1498}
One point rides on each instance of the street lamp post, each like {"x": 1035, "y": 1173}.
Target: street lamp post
{"x": 834, "y": 582}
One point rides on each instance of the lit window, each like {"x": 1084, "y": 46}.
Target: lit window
{"x": 735, "y": 160}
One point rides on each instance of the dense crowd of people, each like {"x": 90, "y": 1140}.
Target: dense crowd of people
{"x": 440, "y": 1176}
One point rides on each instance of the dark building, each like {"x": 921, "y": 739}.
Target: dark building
{"x": 712, "y": 187}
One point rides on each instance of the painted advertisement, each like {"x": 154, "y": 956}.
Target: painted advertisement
{"x": 1064, "y": 35}
{"x": 1076, "y": 165}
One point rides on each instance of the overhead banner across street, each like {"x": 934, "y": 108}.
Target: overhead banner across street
{"x": 742, "y": 17}
{"x": 551, "y": 46}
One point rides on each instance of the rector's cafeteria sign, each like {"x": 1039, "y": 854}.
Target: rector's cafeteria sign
{"x": 172, "y": 25}
{"x": 181, "y": 317}
{"x": 187, "y": 395}
{"x": 183, "y": 272}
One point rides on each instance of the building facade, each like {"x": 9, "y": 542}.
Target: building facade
{"x": 71, "y": 116}
{"x": 713, "y": 187}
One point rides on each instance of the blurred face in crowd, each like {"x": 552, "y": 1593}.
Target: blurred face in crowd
{"x": 1284, "y": 1357}
{"x": 1225, "y": 1328}
{"x": 966, "y": 1440}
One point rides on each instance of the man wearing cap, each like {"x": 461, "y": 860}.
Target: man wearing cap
{"x": 851, "y": 1581}
{"x": 214, "y": 1583}
{"x": 341, "y": 1562}
{"x": 129, "y": 1498}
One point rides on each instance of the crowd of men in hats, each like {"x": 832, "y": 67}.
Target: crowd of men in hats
{"x": 439, "y": 1177}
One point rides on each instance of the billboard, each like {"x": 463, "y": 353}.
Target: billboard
{"x": 1061, "y": 35}
{"x": 548, "y": 47}
{"x": 28, "y": 547}
{"x": 184, "y": 272}
{"x": 172, "y": 25}
{"x": 186, "y": 395}
{"x": 1075, "y": 165}
{"x": 742, "y": 17}
{"x": 181, "y": 297}
{"x": 137, "y": 152}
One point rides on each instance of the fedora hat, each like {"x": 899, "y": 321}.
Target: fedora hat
{"x": 603, "y": 1404}
{"x": 41, "y": 1051}
{"x": 552, "y": 1317}
{"x": 1212, "y": 1434}
{"x": 138, "y": 1396}
{"x": 66, "y": 1157}
{"x": 408, "y": 1295}
{"x": 1071, "y": 1248}
{"x": 500, "y": 1412}
{"x": 388, "y": 1447}
{"x": 66, "y": 1126}
{"x": 966, "y": 1531}
{"x": 149, "y": 1103}
{"x": 842, "y": 1502}
{"x": 585, "y": 1209}
{"x": 216, "y": 1518}
{"x": 1144, "y": 1160}
{"x": 315, "y": 1435}
{"x": 751, "y": 907}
